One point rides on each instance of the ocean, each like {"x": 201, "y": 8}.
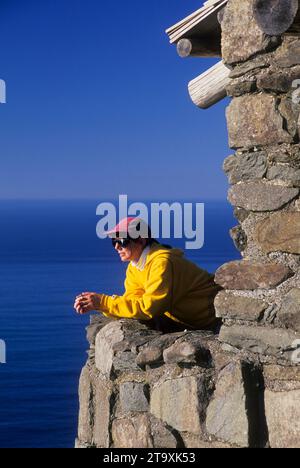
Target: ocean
{"x": 49, "y": 253}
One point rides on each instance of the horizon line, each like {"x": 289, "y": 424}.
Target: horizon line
{"x": 113, "y": 199}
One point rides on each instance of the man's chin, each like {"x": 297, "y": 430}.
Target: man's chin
{"x": 124, "y": 259}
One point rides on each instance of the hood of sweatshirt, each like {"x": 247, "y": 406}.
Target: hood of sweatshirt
{"x": 158, "y": 250}
{"x": 154, "y": 251}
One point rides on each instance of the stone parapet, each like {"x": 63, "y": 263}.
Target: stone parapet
{"x": 179, "y": 390}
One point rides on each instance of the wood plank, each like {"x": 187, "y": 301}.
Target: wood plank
{"x": 197, "y": 21}
{"x": 183, "y": 21}
{"x": 189, "y": 26}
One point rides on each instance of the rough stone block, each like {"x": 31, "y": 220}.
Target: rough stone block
{"x": 277, "y": 81}
{"x": 142, "y": 431}
{"x": 253, "y": 120}
{"x": 86, "y": 407}
{"x": 162, "y": 435}
{"x": 132, "y": 433}
{"x": 125, "y": 362}
{"x": 262, "y": 340}
{"x": 280, "y": 373}
{"x": 248, "y": 275}
{"x": 133, "y": 397}
{"x": 227, "y": 413}
{"x": 189, "y": 350}
{"x": 97, "y": 322}
{"x": 251, "y": 67}
{"x": 241, "y": 36}
{"x": 240, "y": 214}
{"x": 246, "y": 166}
{"x": 280, "y": 232}
{"x": 261, "y": 196}
{"x": 289, "y": 313}
{"x": 285, "y": 173}
{"x": 239, "y": 308}
{"x": 288, "y": 55}
{"x": 239, "y": 238}
{"x": 285, "y": 154}
{"x": 180, "y": 403}
{"x": 283, "y": 418}
{"x": 106, "y": 338}
{"x": 117, "y": 344}
{"x": 102, "y": 410}
{"x": 239, "y": 87}
{"x": 290, "y": 112}
{"x": 152, "y": 353}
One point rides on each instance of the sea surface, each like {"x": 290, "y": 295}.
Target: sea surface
{"x": 49, "y": 252}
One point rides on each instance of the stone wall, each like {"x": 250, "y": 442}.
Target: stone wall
{"x": 241, "y": 389}
{"x": 143, "y": 389}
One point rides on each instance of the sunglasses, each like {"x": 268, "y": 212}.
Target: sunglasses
{"x": 121, "y": 242}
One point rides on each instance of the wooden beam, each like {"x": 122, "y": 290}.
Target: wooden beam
{"x": 275, "y": 17}
{"x": 210, "y": 87}
{"x": 197, "y": 47}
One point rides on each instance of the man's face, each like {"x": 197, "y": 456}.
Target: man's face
{"x": 130, "y": 251}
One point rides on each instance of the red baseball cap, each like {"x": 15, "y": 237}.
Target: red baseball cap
{"x": 130, "y": 227}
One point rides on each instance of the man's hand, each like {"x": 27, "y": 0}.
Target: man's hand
{"x": 86, "y": 302}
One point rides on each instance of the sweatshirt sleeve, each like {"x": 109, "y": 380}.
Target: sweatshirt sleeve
{"x": 154, "y": 301}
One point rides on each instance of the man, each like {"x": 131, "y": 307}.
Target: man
{"x": 162, "y": 287}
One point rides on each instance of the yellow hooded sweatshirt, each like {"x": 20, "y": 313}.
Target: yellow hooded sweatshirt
{"x": 165, "y": 283}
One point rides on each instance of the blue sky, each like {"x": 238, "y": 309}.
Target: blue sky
{"x": 97, "y": 104}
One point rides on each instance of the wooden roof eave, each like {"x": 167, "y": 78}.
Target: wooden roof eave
{"x": 199, "y": 34}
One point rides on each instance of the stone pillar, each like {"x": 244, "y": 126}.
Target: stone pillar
{"x": 260, "y": 304}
